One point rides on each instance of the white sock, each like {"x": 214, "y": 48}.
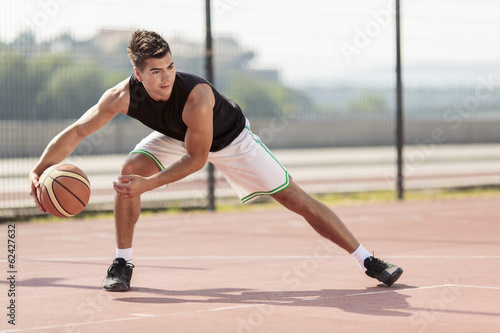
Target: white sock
{"x": 125, "y": 254}
{"x": 360, "y": 255}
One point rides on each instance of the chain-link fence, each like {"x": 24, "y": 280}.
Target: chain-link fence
{"x": 315, "y": 79}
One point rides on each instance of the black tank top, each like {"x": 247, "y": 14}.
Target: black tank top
{"x": 166, "y": 117}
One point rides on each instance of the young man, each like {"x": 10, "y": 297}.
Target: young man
{"x": 193, "y": 124}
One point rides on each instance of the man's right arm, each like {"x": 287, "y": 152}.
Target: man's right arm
{"x": 112, "y": 102}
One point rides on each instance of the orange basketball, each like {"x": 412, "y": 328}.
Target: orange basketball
{"x": 64, "y": 190}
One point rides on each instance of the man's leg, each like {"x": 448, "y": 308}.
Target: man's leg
{"x": 318, "y": 215}
{"x": 329, "y": 225}
{"x": 127, "y": 212}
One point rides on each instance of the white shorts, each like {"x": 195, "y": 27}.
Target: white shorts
{"x": 247, "y": 164}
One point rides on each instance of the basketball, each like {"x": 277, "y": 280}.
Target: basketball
{"x": 64, "y": 190}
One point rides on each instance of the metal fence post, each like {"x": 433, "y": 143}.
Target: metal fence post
{"x": 399, "y": 107}
{"x": 210, "y": 78}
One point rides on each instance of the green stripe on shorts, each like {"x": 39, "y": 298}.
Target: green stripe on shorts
{"x": 259, "y": 193}
{"x": 151, "y": 156}
{"x": 277, "y": 189}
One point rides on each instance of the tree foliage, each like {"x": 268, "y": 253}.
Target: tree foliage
{"x": 368, "y": 103}
{"x": 264, "y": 99}
{"x": 70, "y": 91}
{"x": 62, "y": 78}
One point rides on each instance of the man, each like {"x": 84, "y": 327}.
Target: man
{"x": 193, "y": 124}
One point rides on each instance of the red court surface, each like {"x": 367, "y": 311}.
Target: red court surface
{"x": 263, "y": 271}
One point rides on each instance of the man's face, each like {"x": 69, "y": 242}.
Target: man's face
{"x": 157, "y": 77}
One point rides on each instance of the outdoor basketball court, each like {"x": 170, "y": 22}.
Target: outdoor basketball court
{"x": 263, "y": 271}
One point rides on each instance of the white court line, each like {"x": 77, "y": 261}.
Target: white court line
{"x": 477, "y": 256}
{"x": 254, "y": 257}
{"x": 476, "y": 287}
{"x": 137, "y": 316}
{"x": 72, "y": 325}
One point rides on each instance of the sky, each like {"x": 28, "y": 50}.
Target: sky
{"x": 318, "y": 38}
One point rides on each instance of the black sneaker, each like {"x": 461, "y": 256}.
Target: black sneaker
{"x": 383, "y": 271}
{"x": 119, "y": 275}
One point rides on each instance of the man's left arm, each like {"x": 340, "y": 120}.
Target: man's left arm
{"x": 198, "y": 116}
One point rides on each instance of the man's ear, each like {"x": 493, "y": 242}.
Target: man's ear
{"x": 138, "y": 73}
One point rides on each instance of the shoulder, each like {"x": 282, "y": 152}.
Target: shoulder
{"x": 201, "y": 94}
{"x": 117, "y": 98}
{"x": 199, "y": 104}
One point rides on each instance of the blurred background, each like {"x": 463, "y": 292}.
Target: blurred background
{"x": 316, "y": 79}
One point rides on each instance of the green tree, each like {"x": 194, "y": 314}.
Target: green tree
{"x": 70, "y": 91}
{"x": 21, "y": 80}
{"x": 259, "y": 98}
{"x": 368, "y": 103}
{"x": 13, "y": 72}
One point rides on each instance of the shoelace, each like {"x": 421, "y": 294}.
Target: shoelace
{"x": 116, "y": 268}
{"x": 378, "y": 265}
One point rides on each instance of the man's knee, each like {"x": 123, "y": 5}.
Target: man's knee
{"x": 139, "y": 164}
{"x": 293, "y": 198}
{"x": 127, "y": 168}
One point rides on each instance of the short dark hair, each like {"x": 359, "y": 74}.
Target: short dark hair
{"x": 146, "y": 44}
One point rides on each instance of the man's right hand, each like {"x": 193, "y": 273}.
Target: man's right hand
{"x": 34, "y": 186}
